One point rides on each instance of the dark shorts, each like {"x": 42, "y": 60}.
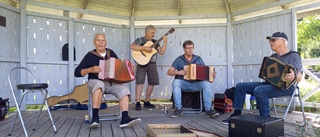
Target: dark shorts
{"x": 152, "y": 73}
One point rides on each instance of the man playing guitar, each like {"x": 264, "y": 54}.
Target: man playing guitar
{"x": 150, "y": 68}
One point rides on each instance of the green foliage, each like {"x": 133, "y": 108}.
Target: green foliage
{"x": 309, "y": 38}
{"x": 306, "y": 87}
{"x": 29, "y": 107}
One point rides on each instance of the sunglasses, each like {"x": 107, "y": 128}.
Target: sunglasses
{"x": 272, "y": 40}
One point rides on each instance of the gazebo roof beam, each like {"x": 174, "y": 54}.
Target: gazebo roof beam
{"x": 179, "y": 9}
{"x": 132, "y": 7}
{"x": 265, "y": 6}
{"x": 83, "y": 6}
{"x": 71, "y": 9}
{"x": 228, "y": 8}
{"x": 186, "y": 17}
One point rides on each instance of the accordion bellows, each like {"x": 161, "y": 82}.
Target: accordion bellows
{"x": 272, "y": 70}
{"x": 116, "y": 70}
{"x": 199, "y": 72}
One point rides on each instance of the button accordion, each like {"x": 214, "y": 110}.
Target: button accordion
{"x": 272, "y": 70}
{"x": 199, "y": 72}
{"x": 116, "y": 70}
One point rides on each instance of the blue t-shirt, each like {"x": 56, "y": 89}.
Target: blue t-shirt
{"x": 293, "y": 58}
{"x": 181, "y": 61}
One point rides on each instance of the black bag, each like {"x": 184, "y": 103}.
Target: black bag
{"x": 4, "y": 107}
{"x": 230, "y": 93}
{"x": 65, "y": 53}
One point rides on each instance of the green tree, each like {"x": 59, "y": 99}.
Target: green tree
{"x": 309, "y": 37}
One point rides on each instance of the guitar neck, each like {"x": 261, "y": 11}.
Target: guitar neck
{"x": 154, "y": 44}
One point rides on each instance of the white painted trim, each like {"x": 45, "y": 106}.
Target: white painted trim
{"x": 311, "y": 61}
{"x": 47, "y": 16}
{"x": 71, "y": 61}
{"x": 8, "y": 7}
{"x": 263, "y": 17}
{"x": 207, "y": 16}
{"x": 246, "y": 63}
{"x": 98, "y": 23}
{"x": 308, "y": 7}
{"x": 265, "y": 6}
{"x": 186, "y": 25}
{"x": 229, "y": 39}
{"x": 84, "y": 11}
{"x": 10, "y": 60}
{"x": 294, "y": 29}
{"x": 48, "y": 62}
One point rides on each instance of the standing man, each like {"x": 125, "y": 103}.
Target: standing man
{"x": 264, "y": 90}
{"x": 90, "y": 65}
{"x": 178, "y": 84}
{"x": 150, "y": 68}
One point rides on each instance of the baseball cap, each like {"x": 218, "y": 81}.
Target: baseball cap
{"x": 277, "y": 35}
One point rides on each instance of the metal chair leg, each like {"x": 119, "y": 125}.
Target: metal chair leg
{"x": 194, "y": 111}
{"x": 107, "y": 117}
{"x": 20, "y": 115}
{"x": 296, "y": 93}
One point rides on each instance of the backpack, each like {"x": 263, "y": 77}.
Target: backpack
{"x": 222, "y": 104}
{"x": 230, "y": 93}
{"x": 4, "y": 107}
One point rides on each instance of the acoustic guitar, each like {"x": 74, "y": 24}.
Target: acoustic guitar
{"x": 143, "y": 57}
{"x": 80, "y": 94}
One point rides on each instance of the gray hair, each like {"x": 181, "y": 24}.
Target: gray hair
{"x": 149, "y": 27}
{"x": 97, "y": 34}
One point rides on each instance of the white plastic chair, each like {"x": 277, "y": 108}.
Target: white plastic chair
{"x": 25, "y": 88}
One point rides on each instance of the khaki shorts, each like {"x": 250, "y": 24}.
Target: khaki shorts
{"x": 151, "y": 71}
{"x": 117, "y": 90}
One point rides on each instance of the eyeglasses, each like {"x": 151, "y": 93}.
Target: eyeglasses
{"x": 272, "y": 40}
{"x": 189, "y": 47}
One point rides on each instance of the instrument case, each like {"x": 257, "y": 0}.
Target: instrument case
{"x": 250, "y": 125}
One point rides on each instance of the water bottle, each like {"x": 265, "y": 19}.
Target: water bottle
{"x": 86, "y": 119}
{"x": 165, "y": 110}
{"x": 253, "y": 102}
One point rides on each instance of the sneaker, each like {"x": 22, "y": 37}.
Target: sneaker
{"x": 94, "y": 123}
{"x": 176, "y": 113}
{"x": 212, "y": 113}
{"x": 129, "y": 122}
{"x": 226, "y": 121}
{"x": 148, "y": 105}
{"x": 138, "y": 106}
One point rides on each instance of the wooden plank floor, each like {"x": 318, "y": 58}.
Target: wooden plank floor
{"x": 69, "y": 123}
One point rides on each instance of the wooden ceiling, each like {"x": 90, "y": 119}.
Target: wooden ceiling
{"x": 146, "y": 10}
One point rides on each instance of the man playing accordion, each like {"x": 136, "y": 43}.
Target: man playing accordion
{"x": 263, "y": 90}
{"x": 90, "y": 65}
{"x": 179, "y": 83}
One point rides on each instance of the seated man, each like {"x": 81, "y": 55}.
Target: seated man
{"x": 179, "y": 83}
{"x": 263, "y": 90}
{"x": 90, "y": 65}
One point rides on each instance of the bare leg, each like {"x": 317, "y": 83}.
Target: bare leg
{"x": 139, "y": 88}
{"x": 96, "y": 98}
{"x": 149, "y": 92}
{"x": 124, "y": 103}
